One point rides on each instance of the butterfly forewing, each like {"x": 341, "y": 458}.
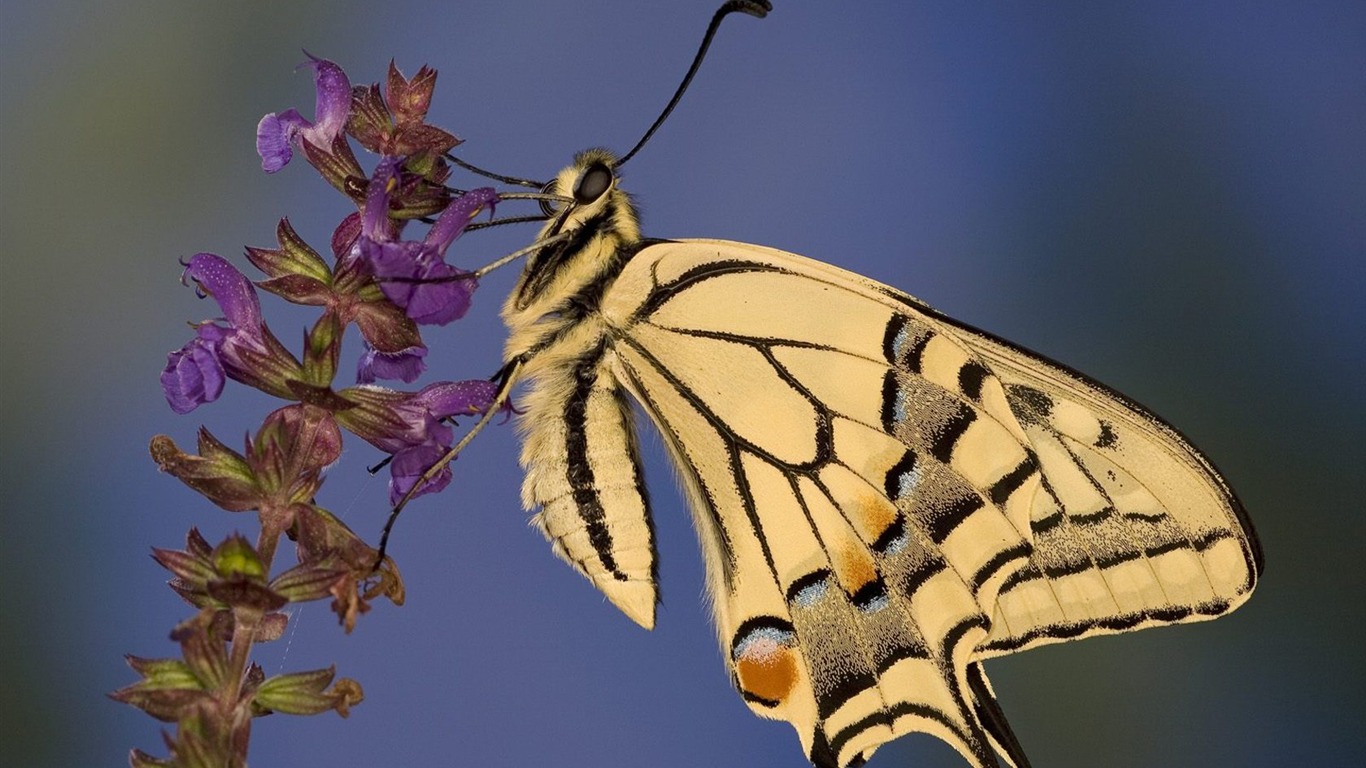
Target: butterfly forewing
{"x": 1133, "y": 527}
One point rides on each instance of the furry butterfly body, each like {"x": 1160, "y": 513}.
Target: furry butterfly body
{"x": 885, "y": 497}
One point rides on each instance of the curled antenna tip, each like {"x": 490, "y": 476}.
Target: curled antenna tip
{"x": 756, "y": 8}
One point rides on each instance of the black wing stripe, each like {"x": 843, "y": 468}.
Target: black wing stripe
{"x": 843, "y": 684}
{"x": 1031, "y": 572}
{"x": 900, "y": 478}
{"x": 1120, "y": 623}
{"x": 942, "y": 516}
{"x": 891, "y": 389}
{"x": 1011, "y": 482}
{"x": 894, "y": 338}
{"x": 946, "y": 433}
{"x": 914, "y": 355}
{"x": 998, "y": 561}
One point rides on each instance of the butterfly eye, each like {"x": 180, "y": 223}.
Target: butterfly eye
{"x": 549, "y": 207}
{"x": 592, "y": 183}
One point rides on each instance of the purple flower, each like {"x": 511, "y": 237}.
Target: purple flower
{"x": 411, "y": 428}
{"x": 278, "y": 131}
{"x": 405, "y": 365}
{"x": 240, "y": 348}
{"x": 414, "y": 275}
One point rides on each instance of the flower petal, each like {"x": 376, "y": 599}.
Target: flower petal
{"x": 274, "y": 134}
{"x": 277, "y": 132}
{"x": 408, "y": 467}
{"x": 405, "y": 365}
{"x": 375, "y": 224}
{"x": 457, "y": 398}
{"x": 193, "y": 376}
{"x": 457, "y": 216}
{"x": 443, "y": 296}
{"x": 333, "y": 102}
{"x": 231, "y": 289}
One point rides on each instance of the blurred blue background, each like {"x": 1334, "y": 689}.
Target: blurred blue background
{"x": 1170, "y": 196}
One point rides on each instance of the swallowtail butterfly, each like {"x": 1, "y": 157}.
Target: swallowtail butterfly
{"x": 885, "y": 496}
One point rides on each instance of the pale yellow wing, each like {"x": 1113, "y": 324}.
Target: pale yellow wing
{"x": 881, "y": 493}
{"x": 1134, "y": 527}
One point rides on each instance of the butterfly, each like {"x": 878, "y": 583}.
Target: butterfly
{"x": 885, "y": 496}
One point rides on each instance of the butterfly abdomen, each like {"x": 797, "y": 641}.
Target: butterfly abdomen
{"x": 579, "y": 451}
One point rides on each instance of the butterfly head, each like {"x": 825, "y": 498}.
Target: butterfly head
{"x": 589, "y": 197}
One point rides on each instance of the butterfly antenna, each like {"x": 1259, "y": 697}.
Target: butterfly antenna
{"x": 756, "y": 8}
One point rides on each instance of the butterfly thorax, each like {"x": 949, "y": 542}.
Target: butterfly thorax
{"x": 563, "y": 283}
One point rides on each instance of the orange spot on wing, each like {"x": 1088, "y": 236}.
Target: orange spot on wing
{"x": 767, "y": 670}
{"x": 874, "y": 514}
{"x": 855, "y": 568}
